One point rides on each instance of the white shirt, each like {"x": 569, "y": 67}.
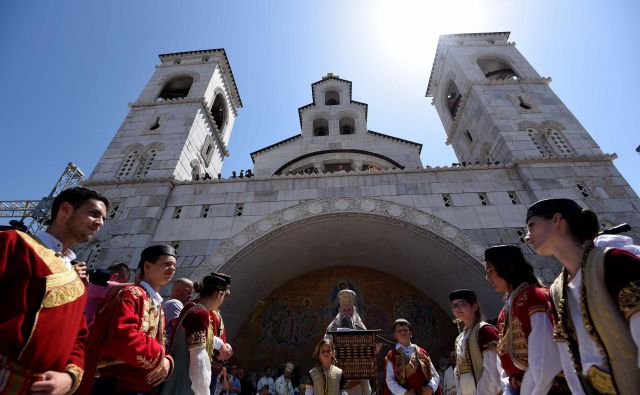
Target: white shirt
{"x": 589, "y": 352}
{"x": 489, "y": 383}
{"x": 284, "y": 386}
{"x": 394, "y": 386}
{"x": 267, "y": 381}
{"x": 53, "y": 243}
{"x": 153, "y": 294}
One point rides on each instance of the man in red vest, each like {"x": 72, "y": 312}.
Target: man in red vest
{"x": 42, "y": 325}
{"x": 409, "y": 370}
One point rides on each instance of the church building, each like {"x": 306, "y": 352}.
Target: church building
{"x": 340, "y": 205}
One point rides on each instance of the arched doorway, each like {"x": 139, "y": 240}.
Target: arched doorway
{"x": 287, "y": 324}
{"x": 409, "y": 244}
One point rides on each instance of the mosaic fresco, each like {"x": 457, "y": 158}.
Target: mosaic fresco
{"x": 287, "y": 324}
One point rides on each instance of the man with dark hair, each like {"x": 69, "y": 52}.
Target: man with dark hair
{"x": 42, "y": 324}
{"x": 120, "y": 273}
{"x": 126, "y": 343}
{"x": 408, "y": 367}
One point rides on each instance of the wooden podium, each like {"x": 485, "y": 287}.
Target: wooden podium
{"x": 356, "y": 353}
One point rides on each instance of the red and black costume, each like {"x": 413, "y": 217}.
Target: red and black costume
{"x": 127, "y": 340}
{"x": 42, "y": 324}
{"x": 412, "y": 369}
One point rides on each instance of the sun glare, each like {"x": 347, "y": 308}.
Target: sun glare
{"x": 408, "y": 30}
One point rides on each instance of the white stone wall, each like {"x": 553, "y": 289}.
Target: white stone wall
{"x": 184, "y": 124}
{"x": 147, "y": 210}
{"x": 490, "y": 110}
{"x": 266, "y": 163}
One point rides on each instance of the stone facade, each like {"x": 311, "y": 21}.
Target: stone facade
{"x": 335, "y": 196}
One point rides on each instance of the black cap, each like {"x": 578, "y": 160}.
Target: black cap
{"x": 464, "y": 294}
{"x": 216, "y": 281}
{"x": 222, "y": 277}
{"x": 151, "y": 253}
{"x": 566, "y": 207}
{"x": 504, "y": 253}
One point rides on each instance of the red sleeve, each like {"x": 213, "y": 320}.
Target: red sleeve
{"x": 487, "y": 338}
{"x": 196, "y": 325}
{"x": 126, "y": 340}
{"x": 218, "y": 326}
{"x": 533, "y": 300}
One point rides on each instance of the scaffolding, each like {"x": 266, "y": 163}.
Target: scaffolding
{"x": 35, "y": 214}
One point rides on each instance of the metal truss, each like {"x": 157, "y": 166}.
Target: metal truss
{"x": 34, "y": 214}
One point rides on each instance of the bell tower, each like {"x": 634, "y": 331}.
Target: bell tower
{"x": 180, "y": 125}
{"x": 495, "y": 107}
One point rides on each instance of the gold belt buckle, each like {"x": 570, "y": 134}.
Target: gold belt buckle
{"x": 601, "y": 380}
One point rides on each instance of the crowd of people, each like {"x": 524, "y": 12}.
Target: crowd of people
{"x": 66, "y": 330}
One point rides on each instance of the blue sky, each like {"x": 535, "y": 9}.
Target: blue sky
{"x": 71, "y": 67}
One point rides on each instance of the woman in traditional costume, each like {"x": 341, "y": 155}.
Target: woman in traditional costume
{"x": 199, "y": 345}
{"x": 596, "y": 299}
{"x": 528, "y": 355}
{"x": 476, "y": 369}
{"x": 326, "y": 378}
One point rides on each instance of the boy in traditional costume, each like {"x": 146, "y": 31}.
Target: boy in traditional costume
{"x": 476, "y": 369}
{"x": 126, "y": 343}
{"x": 199, "y": 345}
{"x": 408, "y": 368}
{"x": 596, "y": 298}
{"x": 526, "y": 349}
{"x": 42, "y": 324}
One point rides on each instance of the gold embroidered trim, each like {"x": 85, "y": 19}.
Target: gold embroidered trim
{"x": 62, "y": 288}
{"x": 601, "y": 380}
{"x": 197, "y": 339}
{"x": 148, "y": 363}
{"x": 103, "y": 365}
{"x": 54, "y": 261}
{"x": 76, "y": 373}
{"x": 629, "y": 299}
{"x": 490, "y": 346}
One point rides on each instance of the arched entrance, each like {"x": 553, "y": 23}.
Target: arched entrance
{"x": 417, "y": 247}
{"x": 287, "y": 324}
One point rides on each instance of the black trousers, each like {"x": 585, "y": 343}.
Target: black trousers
{"x": 108, "y": 385}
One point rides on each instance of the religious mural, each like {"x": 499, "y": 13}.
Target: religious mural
{"x": 286, "y": 325}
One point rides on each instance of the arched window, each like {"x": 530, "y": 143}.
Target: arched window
{"x": 176, "y": 88}
{"x": 496, "y": 70}
{"x": 347, "y": 126}
{"x": 147, "y": 161}
{"x": 557, "y": 141}
{"x": 453, "y": 98}
{"x": 541, "y": 144}
{"x": 219, "y": 112}
{"x": 320, "y": 127}
{"x": 128, "y": 165}
{"x": 331, "y": 98}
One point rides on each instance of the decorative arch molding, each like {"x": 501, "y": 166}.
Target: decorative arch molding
{"x": 552, "y": 125}
{"x": 132, "y": 147}
{"x": 492, "y": 54}
{"x": 232, "y": 250}
{"x": 353, "y": 151}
